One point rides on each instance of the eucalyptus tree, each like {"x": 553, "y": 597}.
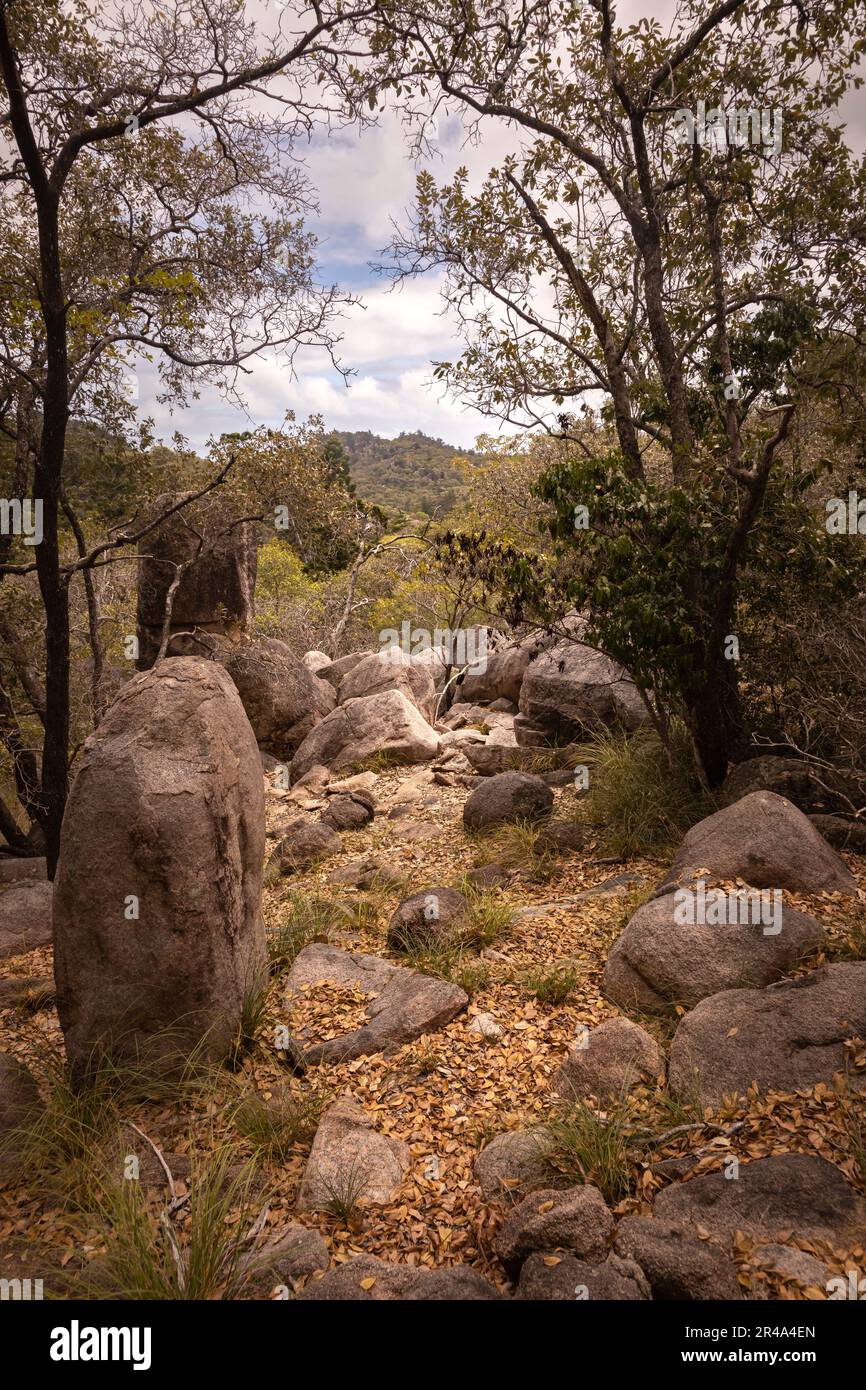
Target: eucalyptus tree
{"x": 676, "y": 241}
{"x": 151, "y": 202}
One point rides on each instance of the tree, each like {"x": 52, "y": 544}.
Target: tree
{"x": 698, "y": 286}
{"x": 140, "y": 142}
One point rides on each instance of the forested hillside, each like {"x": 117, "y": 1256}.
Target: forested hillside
{"x": 410, "y": 474}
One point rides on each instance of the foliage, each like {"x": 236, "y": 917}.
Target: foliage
{"x": 406, "y": 476}
{"x": 642, "y": 796}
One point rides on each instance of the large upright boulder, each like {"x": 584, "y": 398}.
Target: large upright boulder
{"x": 572, "y": 689}
{"x": 766, "y": 841}
{"x": 157, "y": 916}
{"x": 215, "y": 593}
{"x": 386, "y": 725}
{"x": 284, "y": 700}
{"x": 391, "y": 669}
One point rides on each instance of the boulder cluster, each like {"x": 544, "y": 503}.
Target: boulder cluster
{"x": 156, "y": 920}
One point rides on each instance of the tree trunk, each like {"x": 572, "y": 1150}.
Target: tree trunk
{"x": 716, "y": 717}
{"x": 52, "y": 584}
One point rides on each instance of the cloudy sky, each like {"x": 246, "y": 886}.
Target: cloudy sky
{"x": 390, "y": 338}
{"x": 365, "y": 184}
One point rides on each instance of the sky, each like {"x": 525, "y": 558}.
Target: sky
{"x": 365, "y": 184}
{"x": 390, "y": 337}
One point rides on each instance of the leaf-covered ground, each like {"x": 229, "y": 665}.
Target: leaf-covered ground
{"x": 449, "y": 1092}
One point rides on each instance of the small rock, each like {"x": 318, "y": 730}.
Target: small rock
{"x": 793, "y": 1264}
{"x": 433, "y": 917}
{"x": 617, "y": 1054}
{"x": 508, "y": 796}
{"x": 25, "y": 917}
{"x": 316, "y": 661}
{"x": 367, "y": 872}
{"x": 316, "y": 780}
{"x": 304, "y": 844}
{"x": 573, "y": 1280}
{"x": 362, "y": 783}
{"x": 294, "y": 1254}
{"x": 348, "y": 812}
{"x": 511, "y": 1163}
{"x": 677, "y": 1263}
{"x": 561, "y": 838}
{"x": 350, "y": 1161}
{"x": 413, "y": 832}
{"x": 486, "y": 1025}
{"x": 841, "y": 833}
{"x": 488, "y": 876}
{"x": 577, "y": 1220}
{"x": 13, "y": 868}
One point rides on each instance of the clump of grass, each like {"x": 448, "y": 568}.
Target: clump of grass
{"x": 149, "y": 1256}
{"x": 643, "y": 800}
{"x": 555, "y": 759}
{"x": 515, "y": 844}
{"x": 377, "y": 762}
{"x": 275, "y": 1128}
{"x": 254, "y": 1007}
{"x": 344, "y": 1190}
{"x": 551, "y": 986}
{"x": 471, "y": 976}
{"x": 310, "y": 917}
{"x": 443, "y": 961}
{"x": 488, "y": 916}
{"x": 586, "y": 1147}
{"x": 67, "y": 1150}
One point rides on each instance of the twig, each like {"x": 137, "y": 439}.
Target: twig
{"x": 160, "y": 1156}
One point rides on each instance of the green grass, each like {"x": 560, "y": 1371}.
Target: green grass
{"x": 254, "y": 1007}
{"x": 551, "y": 986}
{"x": 276, "y": 1128}
{"x": 69, "y": 1149}
{"x": 585, "y": 1147}
{"x": 488, "y": 916}
{"x": 343, "y": 1192}
{"x": 642, "y": 803}
{"x": 514, "y": 846}
{"x": 152, "y": 1256}
{"x": 470, "y": 975}
{"x": 310, "y": 917}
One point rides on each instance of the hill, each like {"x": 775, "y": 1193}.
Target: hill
{"x": 412, "y": 473}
